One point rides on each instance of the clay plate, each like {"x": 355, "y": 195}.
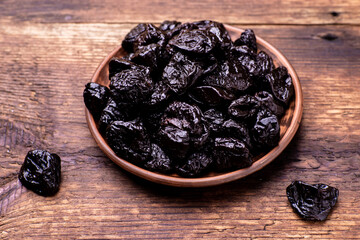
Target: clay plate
{"x": 288, "y": 127}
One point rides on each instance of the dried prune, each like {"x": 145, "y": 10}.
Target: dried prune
{"x": 230, "y": 153}
{"x": 149, "y": 56}
{"x": 281, "y": 84}
{"x": 159, "y": 161}
{"x": 129, "y": 140}
{"x": 132, "y": 85}
{"x": 195, "y": 41}
{"x": 312, "y": 202}
{"x": 214, "y": 119}
{"x": 196, "y": 165}
{"x": 181, "y": 73}
{"x": 41, "y": 172}
{"x": 159, "y": 96}
{"x": 267, "y": 100}
{"x": 247, "y": 38}
{"x": 210, "y": 96}
{"x": 231, "y": 76}
{"x": 266, "y": 131}
{"x": 95, "y": 98}
{"x": 231, "y": 128}
{"x": 265, "y": 64}
{"x": 131, "y": 37}
{"x": 244, "y": 107}
{"x": 175, "y": 141}
{"x": 117, "y": 65}
{"x": 168, "y": 26}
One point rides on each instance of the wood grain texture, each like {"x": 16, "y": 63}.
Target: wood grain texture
{"x": 227, "y": 11}
{"x": 45, "y": 65}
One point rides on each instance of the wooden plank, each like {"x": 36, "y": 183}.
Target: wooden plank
{"x": 43, "y": 72}
{"x": 227, "y": 11}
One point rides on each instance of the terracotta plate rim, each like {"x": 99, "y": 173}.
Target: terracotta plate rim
{"x": 211, "y": 180}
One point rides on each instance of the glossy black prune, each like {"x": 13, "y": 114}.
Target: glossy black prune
{"x": 266, "y": 131}
{"x": 312, "y": 202}
{"x": 231, "y": 128}
{"x": 174, "y": 140}
{"x": 210, "y": 96}
{"x": 129, "y": 140}
{"x": 95, "y": 98}
{"x": 265, "y": 63}
{"x": 41, "y": 172}
{"x": 168, "y": 26}
{"x": 230, "y": 153}
{"x": 196, "y": 165}
{"x": 131, "y": 37}
{"x": 181, "y": 73}
{"x": 132, "y": 86}
{"x": 117, "y": 65}
{"x": 266, "y": 100}
{"x": 244, "y": 107}
{"x": 160, "y": 94}
{"x": 214, "y": 119}
{"x": 281, "y": 84}
{"x": 247, "y": 38}
{"x": 159, "y": 161}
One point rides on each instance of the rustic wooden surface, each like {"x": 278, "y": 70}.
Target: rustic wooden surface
{"x": 50, "y": 49}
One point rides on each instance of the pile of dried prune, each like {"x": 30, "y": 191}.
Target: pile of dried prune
{"x": 187, "y": 99}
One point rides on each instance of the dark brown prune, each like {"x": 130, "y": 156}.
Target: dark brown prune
{"x": 231, "y": 76}
{"x": 95, "y": 98}
{"x": 240, "y": 51}
{"x": 131, "y": 37}
{"x": 129, "y": 140}
{"x": 214, "y": 119}
{"x": 194, "y": 41}
{"x": 159, "y": 161}
{"x": 247, "y": 38}
{"x": 117, "y": 65}
{"x": 115, "y": 112}
{"x": 159, "y": 96}
{"x": 230, "y": 153}
{"x": 266, "y": 131}
{"x": 244, "y": 107}
{"x": 281, "y": 84}
{"x": 196, "y": 165}
{"x": 181, "y": 73}
{"x": 236, "y": 130}
{"x": 249, "y": 62}
{"x": 175, "y": 141}
{"x": 149, "y": 56}
{"x": 265, "y": 64}
{"x": 185, "y": 26}
{"x": 266, "y": 100}
{"x": 41, "y": 172}
{"x": 312, "y": 202}
{"x": 168, "y": 26}
{"x": 132, "y": 85}
{"x": 210, "y": 96}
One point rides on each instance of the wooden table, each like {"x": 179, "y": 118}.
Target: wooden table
{"x": 50, "y": 49}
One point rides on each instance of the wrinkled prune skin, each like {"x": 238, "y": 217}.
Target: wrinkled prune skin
{"x": 244, "y": 107}
{"x": 159, "y": 96}
{"x": 266, "y": 100}
{"x": 115, "y": 111}
{"x": 132, "y": 86}
{"x": 312, "y": 202}
{"x": 231, "y": 76}
{"x": 131, "y": 37}
{"x": 159, "y": 161}
{"x": 240, "y": 51}
{"x": 95, "y": 98}
{"x": 149, "y": 55}
{"x": 41, "y": 172}
{"x": 281, "y": 84}
{"x": 266, "y": 131}
{"x": 247, "y": 38}
{"x": 210, "y": 96}
{"x": 196, "y": 165}
{"x": 265, "y": 63}
{"x": 195, "y": 41}
{"x": 231, "y": 128}
{"x": 117, "y": 65}
{"x": 174, "y": 140}
{"x": 129, "y": 140}
{"x": 230, "y": 153}
{"x": 181, "y": 73}
{"x": 168, "y": 26}
{"x": 214, "y": 119}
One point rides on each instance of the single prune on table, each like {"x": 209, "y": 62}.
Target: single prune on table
{"x": 181, "y": 73}
{"x": 41, "y": 172}
{"x": 132, "y": 86}
{"x": 266, "y": 131}
{"x": 230, "y": 153}
{"x": 267, "y": 100}
{"x": 281, "y": 84}
{"x": 197, "y": 164}
{"x": 159, "y": 161}
{"x": 247, "y": 38}
{"x": 244, "y": 107}
{"x": 312, "y": 202}
{"x": 95, "y": 98}
{"x": 129, "y": 140}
